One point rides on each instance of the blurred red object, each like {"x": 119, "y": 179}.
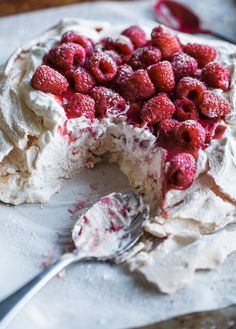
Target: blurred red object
{"x": 181, "y": 18}
{"x": 178, "y": 17}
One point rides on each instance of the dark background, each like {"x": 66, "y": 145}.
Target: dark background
{"x": 10, "y": 7}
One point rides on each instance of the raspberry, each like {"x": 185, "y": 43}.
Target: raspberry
{"x": 107, "y": 99}
{"x": 136, "y": 35}
{"x": 198, "y": 74}
{"x": 166, "y": 128}
{"x": 67, "y": 56}
{"x": 48, "y": 80}
{"x": 83, "y": 41}
{"x": 157, "y": 109}
{"x": 212, "y": 105}
{"x": 165, "y": 41}
{"x": 116, "y": 57}
{"x": 214, "y": 128}
{"x": 190, "y": 88}
{"x": 181, "y": 171}
{"x": 83, "y": 81}
{"x": 99, "y": 46}
{"x": 123, "y": 73}
{"x": 216, "y": 76}
{"x": 183, "y": 65}
{"x": 122, "y": 45}
{"x": 102, "y": 66}
{"x": 185, "y": 109}
{"x": 162, "y": 76}
{"x": 190, "y": 133}
{"x": 133, "y": 113}
{"x": 138, "y": 86}
{"x": 202, "y": 53}
{"x": 219, "y": 131}
{"x": 80, "y": 105}
{"x": 143, "y": 57}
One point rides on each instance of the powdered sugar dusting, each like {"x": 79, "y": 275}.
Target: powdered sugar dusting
{"x": 136, "y": 173}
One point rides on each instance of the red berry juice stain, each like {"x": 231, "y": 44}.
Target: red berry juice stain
{"x": 107, "y": 201}
{"x": 85, "y": 219}
{"x": 80, "y": 205}
{"x": 215, "y": 128}
{"x": 115, "y": 227}
{"x": 94, "y": 186}
{"x": 66, "y": 133}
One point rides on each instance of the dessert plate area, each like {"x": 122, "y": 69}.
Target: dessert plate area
{"x": 31, "y": 236}
{"x": 92, "y": 295}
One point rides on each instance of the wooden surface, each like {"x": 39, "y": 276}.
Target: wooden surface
{"x": 10, "y": 7}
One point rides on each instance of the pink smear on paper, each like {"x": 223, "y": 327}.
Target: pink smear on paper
{"x": 94, "y": 186}
{"x": 81, "y": 204}
{"x": 115, "y": 227}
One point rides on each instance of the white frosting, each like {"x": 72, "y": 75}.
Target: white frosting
{"x": 39, "y": 148}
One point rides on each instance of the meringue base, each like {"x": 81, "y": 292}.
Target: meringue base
{"x": 40, "y": 149}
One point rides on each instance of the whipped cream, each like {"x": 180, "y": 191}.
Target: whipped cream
{"x": 40, "y": 148}
{"x": 105, "y": 229}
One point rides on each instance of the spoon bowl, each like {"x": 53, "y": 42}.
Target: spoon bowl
{"x": 107, "y": 230}
{"x": 178, "y": 17}
{"x": 110, "y": 226}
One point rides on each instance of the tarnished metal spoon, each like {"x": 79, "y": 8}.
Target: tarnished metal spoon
{"x": 108, "y": 229}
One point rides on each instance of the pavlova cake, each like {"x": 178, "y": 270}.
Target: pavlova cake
{"x": 161, "y": 105}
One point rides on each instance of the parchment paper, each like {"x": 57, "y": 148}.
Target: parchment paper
{"x": 93, "y": 295}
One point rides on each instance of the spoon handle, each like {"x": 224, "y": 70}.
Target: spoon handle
{"x": 11, "y": 305}
{"x": 217, "y": 35}
{"x": 222, "y": 37}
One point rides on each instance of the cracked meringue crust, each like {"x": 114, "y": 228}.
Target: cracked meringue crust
{"x": 40, "y": 147}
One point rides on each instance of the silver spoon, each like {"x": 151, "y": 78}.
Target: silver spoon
{"x": 108, "y": 229}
